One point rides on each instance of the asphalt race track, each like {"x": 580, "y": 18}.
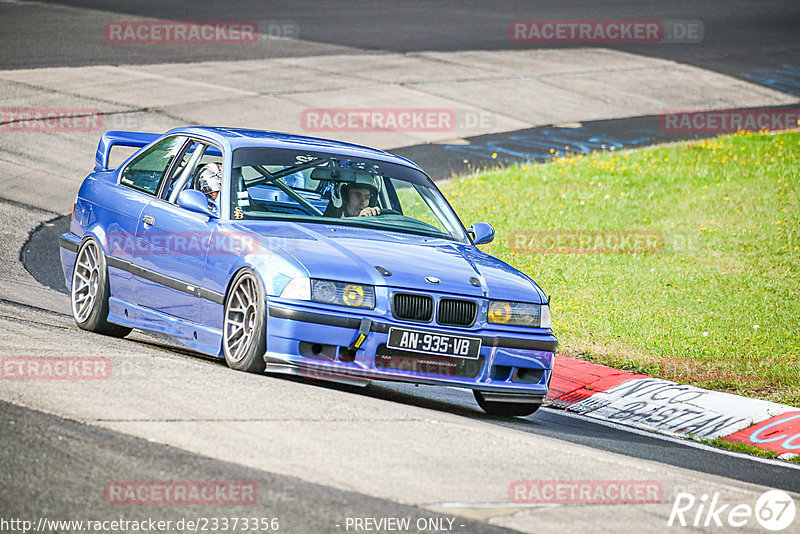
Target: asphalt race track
{"x": 737, "y": 37}
{"x": 322, "y": 455}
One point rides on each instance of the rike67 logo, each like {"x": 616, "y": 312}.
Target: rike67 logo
{"x": 774, "y": 510}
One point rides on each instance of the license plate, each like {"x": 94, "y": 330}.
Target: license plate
{"x": 433, "y": 343}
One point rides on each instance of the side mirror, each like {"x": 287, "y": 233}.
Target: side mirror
{"x": 196, "y": 201}
{"x": 482, "y": 233}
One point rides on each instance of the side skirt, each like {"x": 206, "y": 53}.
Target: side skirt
{"x": 196, "y": 337}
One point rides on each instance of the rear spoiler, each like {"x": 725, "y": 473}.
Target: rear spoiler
{"x": 119, "y": 138}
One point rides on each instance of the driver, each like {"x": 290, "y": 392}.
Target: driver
{"x": 209, "y": 180}
{"x": 355, "y": 199}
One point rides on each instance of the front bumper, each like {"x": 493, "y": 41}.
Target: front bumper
{"x": 317, "y": 343}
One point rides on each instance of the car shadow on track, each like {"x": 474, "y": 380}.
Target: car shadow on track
{"x": 457, "y": 401}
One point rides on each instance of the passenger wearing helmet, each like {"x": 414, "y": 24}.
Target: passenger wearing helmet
{"x": 209, "y": 181}
{"x": 355, "y": 199}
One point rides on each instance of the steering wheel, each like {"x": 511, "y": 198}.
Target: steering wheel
{"x": 388, "y": 211}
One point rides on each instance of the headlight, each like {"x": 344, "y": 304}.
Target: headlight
{"x": 544, "y": 318}
{"x": 519, "y": 314}
{"x": 343, "y": 294}
{"x": 297, "y": 289}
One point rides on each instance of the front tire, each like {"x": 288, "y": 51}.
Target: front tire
{"x": 505, "y": 409}
{"x": 244, "y": 331}
{"x": 90, "y": 291}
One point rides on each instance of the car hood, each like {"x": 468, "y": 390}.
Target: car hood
{"x": 359, "y": 255}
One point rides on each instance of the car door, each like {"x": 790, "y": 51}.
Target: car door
{"x": 172, "y": 245}
{"x": 139, "y": 182}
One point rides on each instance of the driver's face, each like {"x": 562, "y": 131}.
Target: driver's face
{"x": 357, "y": 199}
{"x": 213, "y": 195}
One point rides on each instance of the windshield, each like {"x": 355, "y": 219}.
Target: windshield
{"x": 327, "y": 188}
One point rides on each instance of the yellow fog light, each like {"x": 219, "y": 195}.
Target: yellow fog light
{"x": 353, "y": 295}
{"x": 499, "y": 312}
{"x": 343, "y": 294}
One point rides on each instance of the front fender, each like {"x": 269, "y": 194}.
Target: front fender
{"x": 231, "y": 251}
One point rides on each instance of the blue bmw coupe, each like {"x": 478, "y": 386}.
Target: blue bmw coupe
{"x": 305, "y": 256}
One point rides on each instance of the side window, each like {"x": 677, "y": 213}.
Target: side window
{"x": 207, "y": 158}
{"x": 418, "y": 203}
{"x": 182, "y": 170}
{"x": 147, "y": 170}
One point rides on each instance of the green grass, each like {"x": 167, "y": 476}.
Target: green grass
{"x": 718, "y": 306}
{"x": 746, "y": 448}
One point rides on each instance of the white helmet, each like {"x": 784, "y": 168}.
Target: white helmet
{"x": 210, "y": 178}
{"x": 362, "y": 180}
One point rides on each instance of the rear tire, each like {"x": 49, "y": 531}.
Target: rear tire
{"x": 244, "y": 331}
{"x": 90, "y": 291}
{"x": 505, "y": 409}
